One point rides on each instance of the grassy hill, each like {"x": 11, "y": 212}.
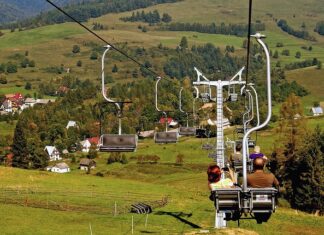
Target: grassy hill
{"x": 52, "y": 45}
{"x": 46, "y": 203}
{"x": 60, "y": 204}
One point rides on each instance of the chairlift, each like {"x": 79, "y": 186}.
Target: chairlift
{"x": 238, "y": 201}
{"x": 187, "y": 131}
{"x": 205, "y": 95}
{"x": 115, "y": 142}
{"x": 232, "y": 95}
{"x": 164, "y": 137}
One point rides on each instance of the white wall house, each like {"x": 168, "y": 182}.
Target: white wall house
{"x": 71, "y": 124}
{"x": 317, "y": 111}
{"x": 86, "y": 163}
{"x": 7, "y": 106}
{"x": 53, "y": 153}
{"x": 85, "y": 145}
{"x": 61, "y": 167}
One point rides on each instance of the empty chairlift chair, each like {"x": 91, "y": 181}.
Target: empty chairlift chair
{"x": 115, "y": 142}
{"x": 164, "y": 137}
{"x": 187, "y": 130}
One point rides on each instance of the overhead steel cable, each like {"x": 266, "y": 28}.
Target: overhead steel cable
{"x": 248, "y": 42}
{"x": 103, "y": 40}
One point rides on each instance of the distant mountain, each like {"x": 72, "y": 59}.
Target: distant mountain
{"x": 14, "y": 10}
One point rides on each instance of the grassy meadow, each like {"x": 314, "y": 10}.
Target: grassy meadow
{"x": 84, "y": 199}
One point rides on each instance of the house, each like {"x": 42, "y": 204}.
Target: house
{"x": 53, "y": 153}
{"x": 17, "y": 100}
{"x": 86, "y": 163}
{"x": 71, "y": 124}
{"x": 226, "y": 123}
{"x": 7, "y": 106}
{"x": 86, "y": 144}
{"x": 317, "y": 111}
{"x": 30, "y": 102}
{"x": 61, "y": 167}
{"x": 170, "y": 121}
{"x": 44, "y": 101}
{"x": 146, "y": 134}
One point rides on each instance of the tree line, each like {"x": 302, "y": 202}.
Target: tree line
{"x": 231, "y": 29}
{"x": 296, "y": 33}
{"x": 152, "y": 17}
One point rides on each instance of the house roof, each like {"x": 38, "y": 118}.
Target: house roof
{"x": 7, "y": 104}
{"x": 94, "y": 140}
{"x": 50, "y": 149}
{"x": 30, "y": 100}
{"x": 44, "y": 101}
{"x": 162, "y": 120}
{"x": 85, "y": 142}
{"x": 317, "y": 110}
{"x": 71, "y": 124}
{"x": 62, "y": 165}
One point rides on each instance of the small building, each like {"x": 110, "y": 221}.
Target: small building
{"x": 317, "y": 111}
{"x": 86, "y": 163}
{"x": 44, "y": 101}
{"x": 7, "y": 106}
{"x": 71, "y": 124}
{"x": 171, "y": 121}
{"x": 53, "y": 153}
{"x": 87, "y": 143}
{"x": 61, "y": 167}
{"x": 30, "y": 102}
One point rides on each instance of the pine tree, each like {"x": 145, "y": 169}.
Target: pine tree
{"x": 19, "y": 147}
{"x": 303, "y": 177}
{"x": 292, "y": 128}
{"x": 183, "y": 43}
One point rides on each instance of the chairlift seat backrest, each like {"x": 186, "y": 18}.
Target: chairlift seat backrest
{"x": 262, "y": 200}
{"x": 187, "y": 131}
{"x": 227, "y": 200}
{"x": 118, "y": 143}
{"x": 166, "y": 137}
{"x": 233, "y": 97}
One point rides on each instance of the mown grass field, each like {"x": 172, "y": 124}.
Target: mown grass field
{"x": 188, "y": 210}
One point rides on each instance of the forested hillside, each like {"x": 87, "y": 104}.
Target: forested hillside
{"x": 15, "y": 10}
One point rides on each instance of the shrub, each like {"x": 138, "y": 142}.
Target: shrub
{"x": 179, "y": 159}
{"x": 76, "y": 49}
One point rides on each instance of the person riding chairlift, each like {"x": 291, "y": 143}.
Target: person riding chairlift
{"x": 215, "y": 179}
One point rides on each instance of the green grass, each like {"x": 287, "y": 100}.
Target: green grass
{"x": 35, "y": 36}
{"x": 7, "y": 129}
{"x": 185, "y": 185}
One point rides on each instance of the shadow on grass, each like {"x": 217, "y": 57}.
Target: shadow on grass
{"x": 178, "y": 216}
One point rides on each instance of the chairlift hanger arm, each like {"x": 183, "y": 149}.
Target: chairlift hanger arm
{"x": 259, "y": 38}
{"x": 103, "y": 80}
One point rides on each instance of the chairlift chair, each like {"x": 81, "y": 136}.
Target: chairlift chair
{"x": 164, "y": 137}
{"x": 187, "y": 131}
{"x": 115, "y": 142}
{"x": 245, "y": 199}
{"x": 232, "y": 95}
